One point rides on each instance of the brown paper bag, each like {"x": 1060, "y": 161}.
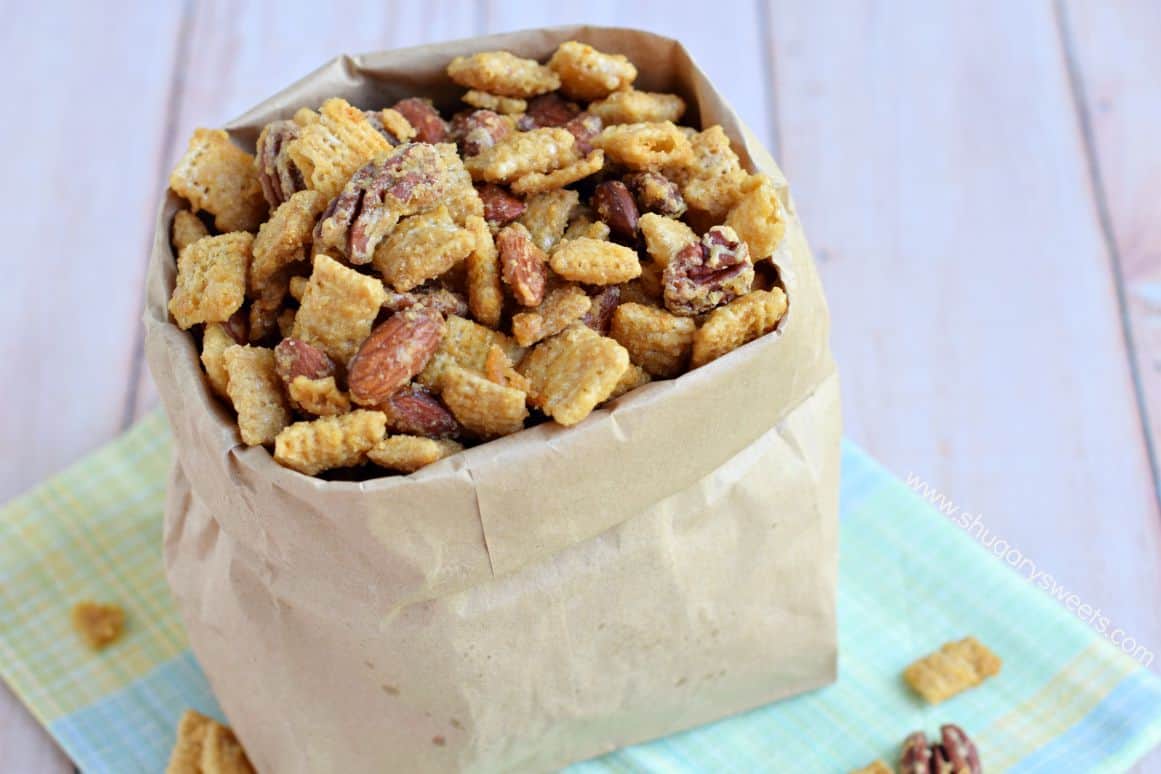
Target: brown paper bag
{"x": 537, "y": 600}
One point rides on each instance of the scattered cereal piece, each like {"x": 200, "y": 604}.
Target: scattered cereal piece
{"x": 570, "y": 373}
{"x": 409, "y": 453}
{"x": 211, "y": 279}
{"x": 546, "y": 216}
{"x": 635, "y": 376}
{"x": 738, "y": 322}
{"x": 484, "y": 408}
{"x": 466, "y": 344}
{"x": 665, "y": 237}
{"x": 256, "y": 391}
{"x": 645, "y": 146}
{"x": 538, "y": 150}
{"x": 503, "y": 74}
{"x": 284, "y": 238}
{"x": 215, "y": 341}
{"x": 657, "y": 341}
{"x": 758, "y": 218}
{"x": 878, "y": 767}
{"x": 588, "y": 74}
{"x": 485, "y": 293}
{"x": 422, "y": 247}
{"x": 187, "y": 229}
{"x": 522, "y": 264}
{"x": 205, "y": 746}
{"x": 595, "y": 262}
{"x": 332, "y": 144}
{"x": 635, "y": 107}
{"x": 98, "y": 624}
{"x": 535, "y": 182}
{"x": 219, "y": 177}
{"x": 713, "y": 177}
{"x": 321, "y": 397}
{"x": 329, "y": 442}
{"x": 503, "y": 105}
{"x": 338, "y": 308}
{"x": 952, "y": 669}
{"x": 560, "y": 308}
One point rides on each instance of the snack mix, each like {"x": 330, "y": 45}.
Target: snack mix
{"x": 385, "y": 287}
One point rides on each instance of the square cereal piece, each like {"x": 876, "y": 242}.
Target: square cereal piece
{"x": 505, "y": 106}
{"x": 211, "y": 279}
{"x": 636, "y": 107}
{"x": 635, "y": 376}
{"x": 409, "y": 453}
{"x": 712, "y": 179}
{"x": 738, "y": 322}
{"x": 560, "y": 307}
{"x": 484, "y": 408}
{"x": 535, "y": 182}
{"x": 186, "y": 757}
{"x": 665, "y": 237}
{"x": 321, "y": 397}
{"x": 587, "y": 74}
{"x": 572, "y": 372}
{"x": 646, "y": 145}
{"x": 222, "y": 753}
{"x": 595, "y": 261}
{"x": 503, "y": 74}
{"x": 284, "y": 238}
{"x": 256, "y": 391}
{"x": 878, "y": 767}
{"x": 466, "y": 344}
{"x": 546, "y": 216}
{"x": 338, "y": 308}
{"x": 422, "y": 247}
{"x": 98, "y": 624}
{"x": 952, "y": 669}
{"x": 485, "y": 293}
{"x": 657, "y": 341}
{"x": 758, "y": 217}
{"x": 330, "y": 442}
{"x": 332, "y": 144}
{"x": 498, "y": 368}
{"x": 219, "y": 177}
{"x": 187, "y": 229}
{"x": 537, "y": 150}
{"x": 215, "y": 341}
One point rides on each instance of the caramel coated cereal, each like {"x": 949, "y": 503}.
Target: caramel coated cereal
{"x": 738, "y": 322}
{"x": 284, "y": 238}
{"x": 588, "y": 74}
{"x": 570, "y": 373}
{"x": 712, "y": 179}
{"x": 321, "y": 397}
{"x": 595, "y": 262}
{"x": 485, "y": 293}
{"x": 503, "y": 74}
{"x": 665, "y": 237}
{"x": 219, "y": 177}
{"x": 256, "y": 391}
{"x": 560, "y": 307}
{"x": 952, "y": 669}
{"x": 537, "y": 150}
{"x": 502, "y": 105}
{"x": 187, "y": 229}
{"x": 758, "y": 217}
{"x": 215, "y": 341}
{"x": 422, "y": 247}
{"x": 535, "y": 182}
{"x": 409, "y": 453}
{"x": 546, "y": 216}
{"x": 97, "y": 624}
{"x": 332, "y": 144}
{"x": 211, "y": 279}
{"x": 466, "y": 344}
{"x": 645, "y": 146}
{"x": 338, "y": 307}
{"x": 330, "y": 442}
{"x": 657, "y": 341}
{"x": 484, "y": 408}
{"x": 635, "y": 107}
{"x": 635, "y": 376}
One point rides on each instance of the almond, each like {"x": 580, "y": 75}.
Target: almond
{"x": 394, "y": 353}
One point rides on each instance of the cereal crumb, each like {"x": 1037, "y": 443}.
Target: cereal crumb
{"x": 98, "y": 624}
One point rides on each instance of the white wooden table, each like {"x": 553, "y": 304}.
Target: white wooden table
{"x": 981, "y": 183}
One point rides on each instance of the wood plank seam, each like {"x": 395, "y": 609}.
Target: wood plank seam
{"x": 165, "y": 152}
{"x": 1104, "y": 219}
{"x": 769, "y": 78}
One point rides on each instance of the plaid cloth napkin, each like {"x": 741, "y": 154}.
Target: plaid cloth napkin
{"x": 1065, "y": 701}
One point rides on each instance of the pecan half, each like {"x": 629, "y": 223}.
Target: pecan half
{"x": 479, "y": 130}
{"x": 421, "y": 114}
{"x": 522, "y": 264}
{"x": 414, "y": 410}
{"x": 295, "y": 357}
{"x": 600, "y": 314}
{"x": 954, "y": 753}
{"x": 707, "y": 274}
{"x": 654, "y": 192}
{"x": 615, "y": 206}
{"x": 444, "y": 300}
{"x": 584, "y": 128}
{"x": 916, "y": 755}
{"x": 395, "y": 352}
{"x": 500, "y": 207}
{"x": 547, "y": 110}
{"x": 411, "y": 179}
{"x": 279, "y": 177}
